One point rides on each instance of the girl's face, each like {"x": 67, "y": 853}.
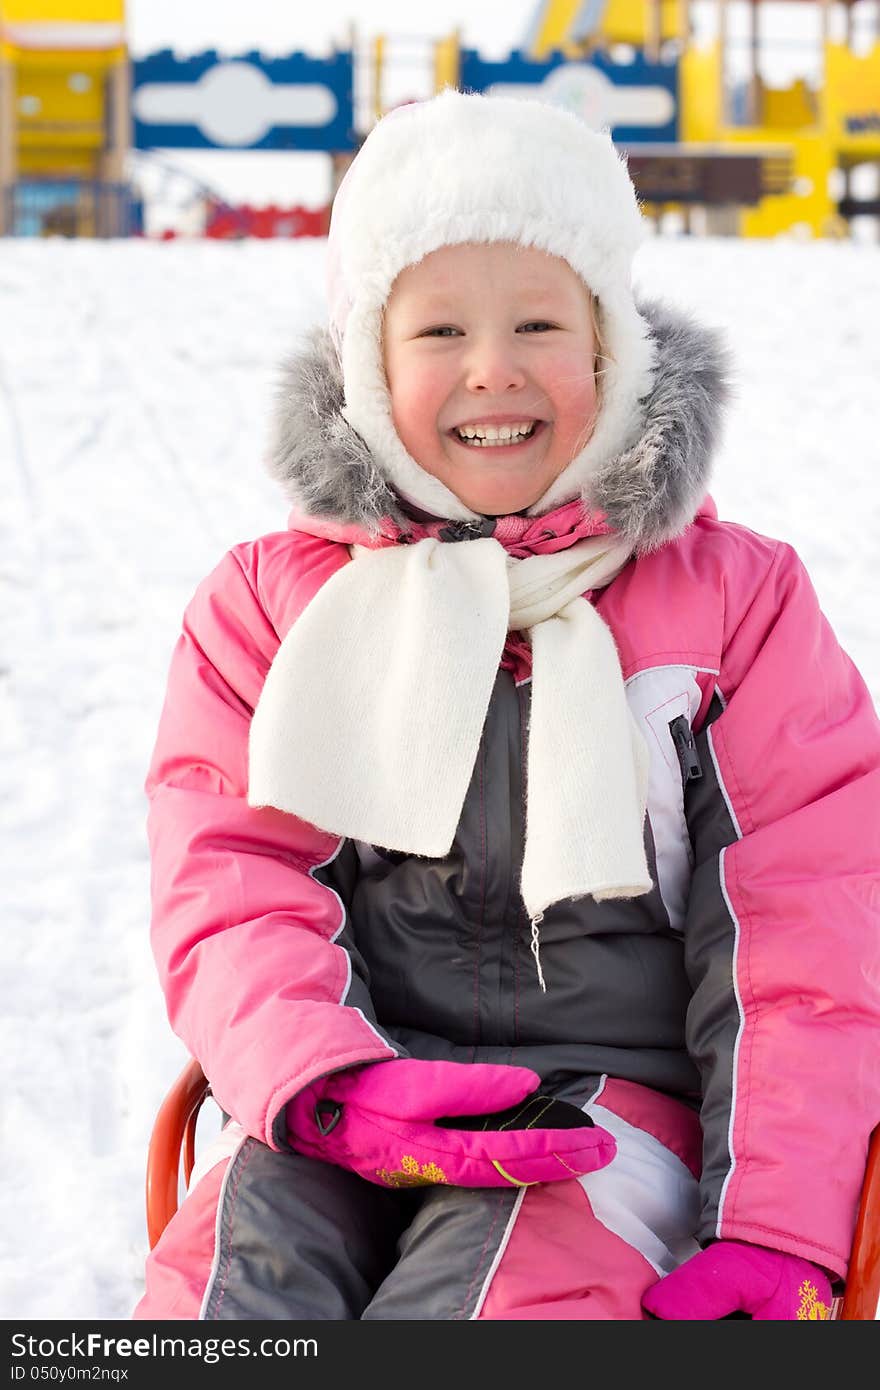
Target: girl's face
{"x": 489, "y": 354}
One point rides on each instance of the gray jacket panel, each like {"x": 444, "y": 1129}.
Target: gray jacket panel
{"x": 446, "y": 946}
{"x": 301, "y": 1240}
{"x": 713, "y": 1020}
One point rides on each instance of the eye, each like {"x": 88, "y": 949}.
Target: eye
{"x": 536, "y": 326}
{"x": 443, "y": 330}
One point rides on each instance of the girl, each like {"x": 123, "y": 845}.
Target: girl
{"x": 509, "y": 776}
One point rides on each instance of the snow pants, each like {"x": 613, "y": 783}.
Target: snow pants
{"x": 266, "y": 1235}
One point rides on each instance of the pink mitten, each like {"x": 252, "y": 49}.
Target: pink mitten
{"x": 379, "y": 1121}
{"x": 732, "y": 1276}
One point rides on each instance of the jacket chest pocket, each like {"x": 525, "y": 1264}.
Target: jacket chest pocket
{"x": 664, "y": 702}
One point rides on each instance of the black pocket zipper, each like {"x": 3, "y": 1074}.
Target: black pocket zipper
{"x": 686, "y": 748}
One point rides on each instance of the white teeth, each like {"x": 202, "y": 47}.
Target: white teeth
{"x": 483, "y": 435}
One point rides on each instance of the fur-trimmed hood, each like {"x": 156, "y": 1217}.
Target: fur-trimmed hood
{"x": 649, "y": 493}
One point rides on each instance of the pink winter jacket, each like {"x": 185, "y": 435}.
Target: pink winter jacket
{"x": 772, "y": 891}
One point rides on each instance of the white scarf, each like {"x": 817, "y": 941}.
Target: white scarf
{"x": 370, "y": 718}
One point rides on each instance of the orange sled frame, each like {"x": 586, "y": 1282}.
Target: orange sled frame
{"x": 173, "y": 1142}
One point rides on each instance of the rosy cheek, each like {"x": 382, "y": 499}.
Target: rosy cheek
{"x": 411, "y": 413}
{"x": 405, "y": 420}
{"x": 576, "y": 407}
{"x": 416, "y": 398}
{"x": 578, "y": 401}
{"x": 576, "y": 378}
{"x": 581, "y": 391}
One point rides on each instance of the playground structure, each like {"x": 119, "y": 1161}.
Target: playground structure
{"x": 757, "y": 160}
{"x": 64, "y": 117}
{"x": 74, "y": 105}
{"x": 763, "y": 161}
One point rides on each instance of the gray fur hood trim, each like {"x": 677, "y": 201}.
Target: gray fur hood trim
{"x": 650, "y": 493}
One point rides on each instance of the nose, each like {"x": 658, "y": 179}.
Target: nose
{"x": 493, "y": 367}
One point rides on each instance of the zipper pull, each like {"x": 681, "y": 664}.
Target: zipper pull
{"x": 686, "y": 748}
{"x": 536, "y": 947}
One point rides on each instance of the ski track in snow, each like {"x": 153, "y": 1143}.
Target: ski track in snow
{"x": 136, "y": 382}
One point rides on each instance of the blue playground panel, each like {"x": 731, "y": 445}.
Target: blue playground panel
{"x": 296, "y": 69}
{"x": 478, "y": 74}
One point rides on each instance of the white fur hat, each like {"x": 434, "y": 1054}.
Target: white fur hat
{"x": 469, "y": 168}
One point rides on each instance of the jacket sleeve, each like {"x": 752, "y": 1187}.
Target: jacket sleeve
{"x": 783, "y": 927}
{"x": 254, "y": 951}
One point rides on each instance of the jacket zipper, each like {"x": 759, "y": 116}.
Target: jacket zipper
{"x": 686, "y": 748}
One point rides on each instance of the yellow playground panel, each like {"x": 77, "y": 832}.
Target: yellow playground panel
{"x": 574, "y": 27}
{"x": 64, "y": 94}
{"x": 827, "y": 130}
{"x": 834, "y": 127}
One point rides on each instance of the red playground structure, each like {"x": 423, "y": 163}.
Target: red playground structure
{"x": 226, "y": 223}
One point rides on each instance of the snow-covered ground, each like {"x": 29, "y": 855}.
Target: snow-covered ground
{"x": 135, "y": 384}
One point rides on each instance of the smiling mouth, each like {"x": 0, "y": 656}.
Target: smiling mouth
{"x": 496, "y": 436}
